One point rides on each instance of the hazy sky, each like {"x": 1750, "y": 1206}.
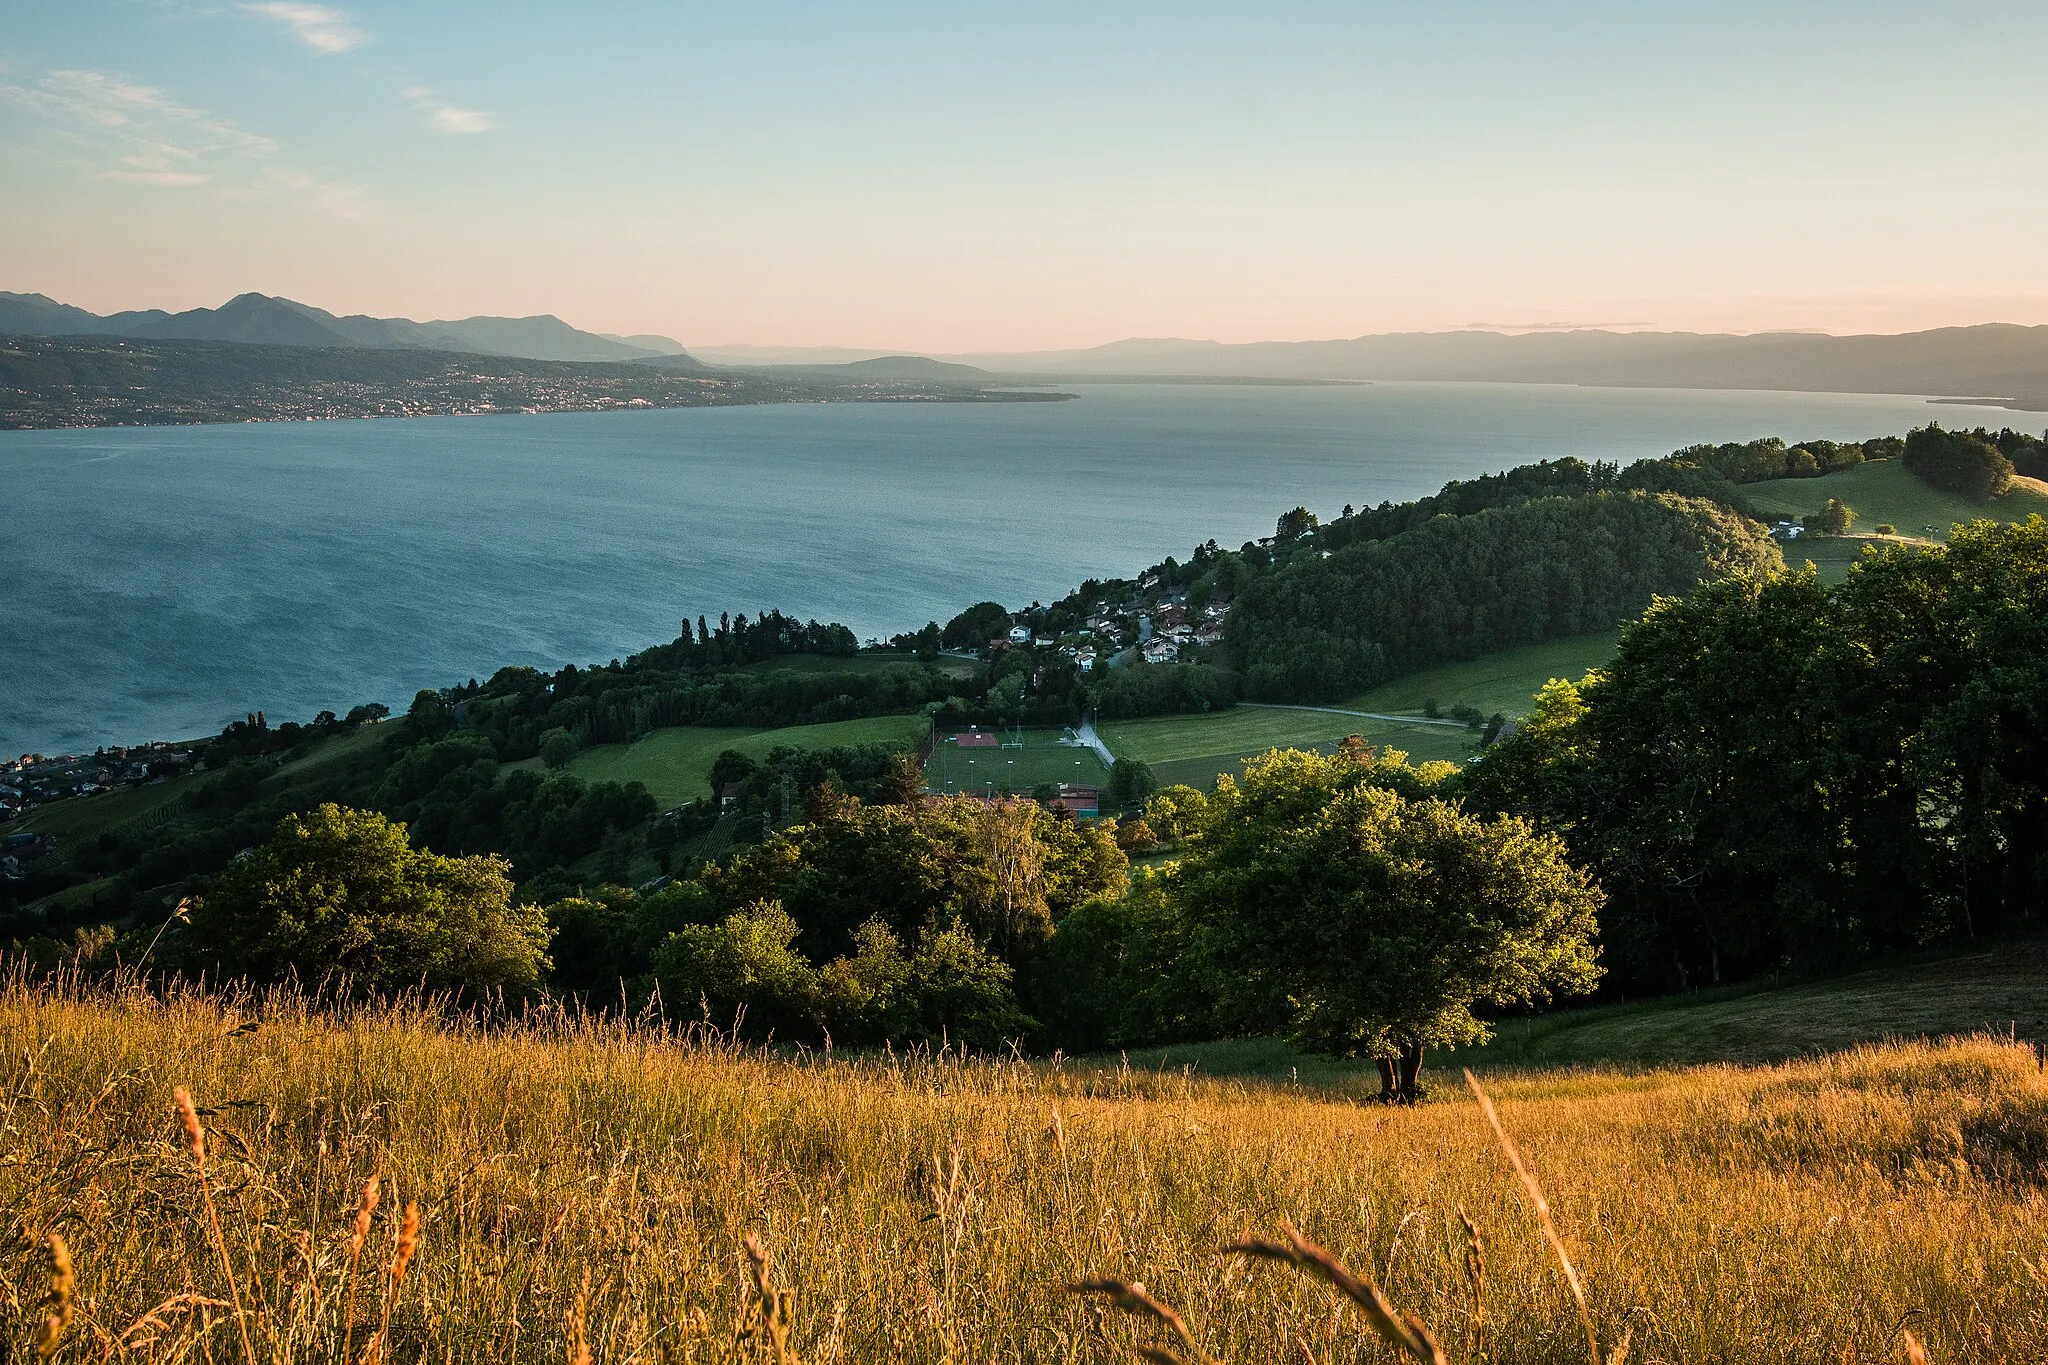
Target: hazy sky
{"x": 958, "y": 177}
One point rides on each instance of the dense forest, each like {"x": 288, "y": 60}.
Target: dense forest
{"x": 1326, "y": 627}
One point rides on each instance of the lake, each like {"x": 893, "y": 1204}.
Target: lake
{"x": 165, "y": 580}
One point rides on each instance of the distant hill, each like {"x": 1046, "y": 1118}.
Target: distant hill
{"x": 882, "y": 368}
{"x": 265, "y": 320}
{"x": 649, "y": 341}
{"x": 1996, "y": 360}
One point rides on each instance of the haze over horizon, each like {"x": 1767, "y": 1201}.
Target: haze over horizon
{"x": 944, "y": 182}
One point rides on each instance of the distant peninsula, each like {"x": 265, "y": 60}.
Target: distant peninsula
{"x": 102, "y": 381}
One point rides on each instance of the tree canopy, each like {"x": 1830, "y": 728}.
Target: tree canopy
{"x": 343, "y": 893}
{"x": 1335, "y": 900}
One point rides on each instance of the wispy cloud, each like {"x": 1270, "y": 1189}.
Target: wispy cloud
{"x": 174, "y": 179}
{"x": 446, "y": 118}
{"x": 318, "y": 27}
{"x": 138, "y": 135}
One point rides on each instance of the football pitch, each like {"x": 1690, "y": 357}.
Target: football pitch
{"x": 956, "y": 767}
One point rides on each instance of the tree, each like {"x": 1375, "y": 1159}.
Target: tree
{"x": 1175, "y": 812}
{"x": 1363, "y": 922}
{"x": 558, "y": 746}
{"x": 339, "y": 892}
{"x": 1015, "y": 914}
{"x": 729, "y": 767}
{"x": 1131, "y": 783}
{"x": 1958, "y": 462}
{"x": 1834, "y": 519}
{"x": 1295, "y": 524}
{"x": 744, "y": 974}
{"x": 901, "y": 783}
{"x": 976, "y": 626}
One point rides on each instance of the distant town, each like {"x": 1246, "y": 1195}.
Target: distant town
{"x": 50, "y": 382}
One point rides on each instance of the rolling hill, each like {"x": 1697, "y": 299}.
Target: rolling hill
{"x": 262, "y": 319}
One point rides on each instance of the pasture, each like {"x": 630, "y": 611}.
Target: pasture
{"x": 556, "y": 1188}
{"x": 1503, "y": 682}
{"x": 1881, "y": 492}
{"x": 675, "y": 763}
{"x": 1195, "y": 749}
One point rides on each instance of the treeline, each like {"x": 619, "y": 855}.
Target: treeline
{"x": 1774, "y": 771}
{"x": 1974, "y": 464}
{"x": 1323, "y": 628}
{"x": 518, "y": 708}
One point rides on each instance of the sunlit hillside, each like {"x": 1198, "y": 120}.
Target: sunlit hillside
{"x": 591, "y": 1187}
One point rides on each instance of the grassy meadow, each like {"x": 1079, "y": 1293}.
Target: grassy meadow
{"x": 675, "y": 763}
{"x": 585, "y": 1187}
{"x": 1958, "y": 995}
{"x": 1882, "y": 493}
{"x": 1195, "y": 749}
{"x": 1505, "y": 681}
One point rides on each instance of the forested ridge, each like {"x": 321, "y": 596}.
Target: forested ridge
{"x": 1326, "y": 627}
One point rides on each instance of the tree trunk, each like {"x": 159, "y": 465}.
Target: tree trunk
{"x": 1389, "y": 1082}
{"x": 1411, "y": 1072}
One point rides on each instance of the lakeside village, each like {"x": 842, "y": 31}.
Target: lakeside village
{"x": 33, "y": 780}
{"x": 1159, "y": 628}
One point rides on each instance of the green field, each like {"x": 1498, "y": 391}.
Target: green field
{"x": 1195, "y": 749}
{"x": 2003, "y": 993}
{"x": 1881, "y": 492}
{"x": 676, "y": 763}
{"x": 1502, "y": 682}
{"x": 1042, "y": 760}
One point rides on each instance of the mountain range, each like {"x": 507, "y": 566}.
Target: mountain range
{"x": 262, "y": 319}
{"x": 1996, "y": 361}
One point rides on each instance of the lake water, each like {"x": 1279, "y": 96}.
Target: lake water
{"x": 162, "y": 581}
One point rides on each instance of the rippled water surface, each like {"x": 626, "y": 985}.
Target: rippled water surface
{"x": 161, "y": 581}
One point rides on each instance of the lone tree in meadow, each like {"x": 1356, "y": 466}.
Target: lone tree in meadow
{"x": 343, "y": 892}
{"x": 1335, "y": 900}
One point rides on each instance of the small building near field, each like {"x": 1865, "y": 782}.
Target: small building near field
{"x": 1083, "y": 803}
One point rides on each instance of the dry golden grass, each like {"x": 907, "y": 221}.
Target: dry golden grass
{"x": 565, "y": 1191}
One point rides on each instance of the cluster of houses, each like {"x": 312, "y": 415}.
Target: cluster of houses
{"x": 33, "y": 779}
{"x": 1157, "y": 627}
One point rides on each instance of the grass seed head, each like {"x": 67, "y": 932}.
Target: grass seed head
{"x": 195, "y": 1135}
{"x": 408, "y": 1241}
{"x": 1133, "y": 1298}
{"x": 63, "y": 1289}
{"x": 365, "y": 1206}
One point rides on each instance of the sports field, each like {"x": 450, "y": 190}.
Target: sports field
{"x": 966, "y": 768}
{"x": 676, "y": 763}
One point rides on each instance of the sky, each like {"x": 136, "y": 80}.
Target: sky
{"x": 956, "y": 178}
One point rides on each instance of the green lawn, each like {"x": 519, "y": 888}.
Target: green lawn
{"x": 676, "y": 763}
{"x": 1041, "y": 760}
{"x": 1996, "y": 992}
{"x": 1502, "y": 682}
{"x": 1882, "y": 492}
{"x": 1195, "y": 749}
